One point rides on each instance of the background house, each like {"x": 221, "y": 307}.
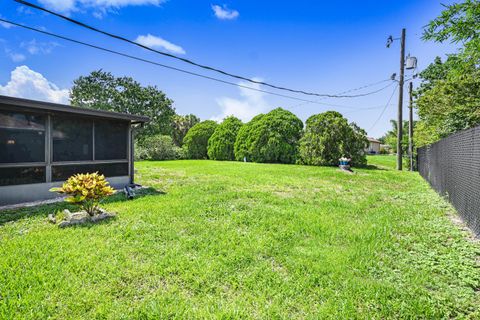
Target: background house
{"x": 373, "y": 146}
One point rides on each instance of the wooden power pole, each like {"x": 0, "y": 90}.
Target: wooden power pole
{"x": 400, "y": 102}
{"x": 410, "y": 125}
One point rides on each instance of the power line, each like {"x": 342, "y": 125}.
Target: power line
{"x": 165, "y": 66}
{"x": 160, "y": 64}
{"x": 365, "y": 86}
{"x": 356, "y": 89}
{"x": 368, "y": 108}
{"x": 385, "y": 108}
{"x": 84, "y": 25}
{"x": 354, "y": 108}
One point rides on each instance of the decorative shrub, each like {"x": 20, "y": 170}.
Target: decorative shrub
{"x": 355, "y": 144}
{"x": 328, "y": 137}
{"x": 157, "y": 147}
{"x": 220, "y": 144}
{"x": 242, "y": 142}
{"x": 272, "y": 138}
{"x": 86, "y": 190}
{"x": 384, "y": 150}
{"x": 196, "y": 140}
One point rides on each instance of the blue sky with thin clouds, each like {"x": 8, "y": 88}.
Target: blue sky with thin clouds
{"x": 320, "y": 46}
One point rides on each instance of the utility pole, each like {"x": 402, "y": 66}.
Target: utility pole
{"x": 400, "y": 102}
{"x": 410, "y": 125}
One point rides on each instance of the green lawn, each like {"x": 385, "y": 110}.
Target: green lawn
{"x": 244, "y": 240}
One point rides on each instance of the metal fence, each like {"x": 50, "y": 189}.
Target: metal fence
{"x": 452, "y": 167}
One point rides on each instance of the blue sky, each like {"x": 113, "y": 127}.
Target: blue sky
{"x": 320, "y": 46}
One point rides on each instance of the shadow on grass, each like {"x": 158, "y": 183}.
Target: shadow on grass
{"x": 120, "y": 196}
{"x": 43, "y": 210}
{"x": 372, "y": 167}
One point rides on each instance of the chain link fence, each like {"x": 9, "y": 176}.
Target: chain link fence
{"x": 452, "y": 167}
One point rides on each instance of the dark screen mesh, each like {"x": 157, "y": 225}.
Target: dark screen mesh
{"x": 72, "y": 138}
{"x": 110, "y": 140}
{"x": 22, "y": 137}
{"x": 452, "y": 167}
{"x": 21, "y": 175}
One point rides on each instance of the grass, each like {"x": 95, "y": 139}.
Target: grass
{"x": 243, "y": 240}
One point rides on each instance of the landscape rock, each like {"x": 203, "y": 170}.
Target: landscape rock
{"x": 82, "y": 217}
{"x": 52, "y": 219}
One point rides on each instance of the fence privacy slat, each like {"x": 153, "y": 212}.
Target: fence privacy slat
{"x": 452, "y": 167}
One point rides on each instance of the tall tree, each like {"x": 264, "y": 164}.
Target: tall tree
{"x": 328, "y": 137}
{"x": 270, "y": 138}
{"x": 448, "y": 99}
{"x": 458, "y": 23}
{"x": 181, "y": 125}
{"x": 221, "y": 143}
{"x": 390, "y": 138}
{"x": 103, "y": 91}
{"x": 195, "y": 143}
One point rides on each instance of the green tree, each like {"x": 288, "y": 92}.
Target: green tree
{"x": 102, "y": 91}
{"x": 221, "y": 143}
{"x": 181, "y": 125}
{"x": 196, "y": 140}
{"x": 158, "y": 147}
{"x": 448, "y": 99}
{"x": 458, "y": 23}
{"x": 449, "y": 106}
{"x": 243, "y": 140}
{"x": 355, "y": 144}
{"x": 435, "y": 72}
{"x": 328, "y": 137}
{"x": 390, "y": 138}
{"x": 271, "y": 138}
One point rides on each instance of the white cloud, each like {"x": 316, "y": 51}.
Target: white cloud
{"x": 16, "y": 57}
{"x": 157, "y": 42}
{"x": 26, "y": 83}
{"x": 64, "y": 6}
{"x": 68, "y": 6}
{"x": 34, "y": 47}
{"x": 249, "y": 105}
{"x": 98, "y": 14}
{"x": 24, "y": 10}
{"x": 4, "y": 24}
{"x": 223, "y": 13}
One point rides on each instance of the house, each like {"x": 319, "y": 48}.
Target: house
{"x": 373, "y": 146}
{"x": 42, "y": 144}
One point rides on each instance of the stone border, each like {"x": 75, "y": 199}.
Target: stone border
{"x": 80, "y": 218}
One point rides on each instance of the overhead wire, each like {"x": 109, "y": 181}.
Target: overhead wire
{"x": 385, "y": 108}
{"x": 163, "y": 65}
{"x": 118, "y": 37}
{"x": 367, "y": 108}
{"x": 318, "y": 101}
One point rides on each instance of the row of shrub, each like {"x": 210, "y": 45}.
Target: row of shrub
{"x": 275, "y": 137}
{"x": 158, "y": 147}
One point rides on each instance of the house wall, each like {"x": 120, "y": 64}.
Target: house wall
{"x": 373, "y": 147}
{"x": 40, "y": 191}
{"x": 16, "y": 187}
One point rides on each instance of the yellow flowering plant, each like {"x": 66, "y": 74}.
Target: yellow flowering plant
{"x": 86, "y": 190}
